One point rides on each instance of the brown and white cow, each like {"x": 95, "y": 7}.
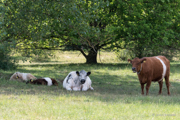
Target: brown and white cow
{"x": 152, "y": 69}
{"x": 43, "y": 81}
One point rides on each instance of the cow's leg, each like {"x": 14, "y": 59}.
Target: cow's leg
{"x": 91, "y": 88}
{"x": 77, "y": 88}
{"x": 160, "y": 86}
{"x": 142, "y": 88}
{"x": 43, "y": 83}
{"x": 147, "y": 87}
{"x": 69, "y": 87}
{"x": 167, "y": 84}
{"x": 84, "y": 88}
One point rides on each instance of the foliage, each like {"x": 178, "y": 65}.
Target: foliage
{"x": 91, "y": 25}
{"x": 6, "y": 61}
{"x": 148, "y": 27}
{"x": 80, "y": 24}
{"x": 124, "y": 54}
{"x": 42, "y": 56}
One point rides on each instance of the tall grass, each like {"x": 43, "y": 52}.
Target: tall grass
{"x": 116, "y": 95}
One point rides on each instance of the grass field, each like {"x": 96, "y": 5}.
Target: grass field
{"x": 116, "y": 95}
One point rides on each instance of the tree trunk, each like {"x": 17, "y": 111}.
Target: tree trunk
{"x": 91, "y": 58}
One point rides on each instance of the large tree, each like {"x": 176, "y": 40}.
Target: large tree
{"x": 82, "y": 25}
{"x": 146, "y": 27}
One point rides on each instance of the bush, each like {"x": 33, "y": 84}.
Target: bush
{"x": 6, "y": 61}
{"x": 172, "y": 55}
{"x": 41, "y": 56}
{"x": 124, "y": 54}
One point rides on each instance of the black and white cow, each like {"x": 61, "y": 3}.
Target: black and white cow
{"x": 78, "y": 81}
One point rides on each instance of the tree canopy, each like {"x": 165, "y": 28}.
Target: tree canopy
{"x": 148, "y": 27}
{"x": 91, "y": 25}
{"x": 83, "y": 25}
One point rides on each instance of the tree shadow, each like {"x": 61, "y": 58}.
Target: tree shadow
{"x": 79, "y": 65}
{"x": 107, "y": 87}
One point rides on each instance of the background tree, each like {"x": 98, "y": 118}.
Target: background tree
{"x": 148, "y": 27}
{"x": 6, "y": 61}
{"x": 82, "y": 25}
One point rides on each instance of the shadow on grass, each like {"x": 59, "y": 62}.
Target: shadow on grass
{"x": 175, "y": 68}
{"x": 107, "y": 87}
{"x": 122, "y": 65}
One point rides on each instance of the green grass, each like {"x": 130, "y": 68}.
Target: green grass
{"x": 116, "y": 95}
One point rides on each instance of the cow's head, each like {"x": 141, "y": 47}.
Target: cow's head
{"x": 136, "y": 64}
{"x": 18, "y": 75}
{"x": 82, "y": 76}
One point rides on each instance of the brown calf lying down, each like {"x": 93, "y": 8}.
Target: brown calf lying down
{"x": 43, "y": 81}
{"x": 152, "y": 69}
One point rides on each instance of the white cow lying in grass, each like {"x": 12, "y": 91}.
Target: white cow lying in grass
{"x": 78, "y": 81}
{"x": 22, "y": 76}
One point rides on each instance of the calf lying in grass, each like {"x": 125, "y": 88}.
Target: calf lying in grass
{"x": 22, "y": 76}
{"x": 43, "y": 81}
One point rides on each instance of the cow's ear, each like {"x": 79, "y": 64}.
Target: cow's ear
{"x": 77, "y": 72}
{"x": 143, "y": 60}
{"x": 17, "y": 75}
{"x": 88, "y": 73}
{"x": 129, "y": 60}
{"x": 31, "y": 80}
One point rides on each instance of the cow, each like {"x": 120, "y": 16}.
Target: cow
{"x": 78, "y": 81}
{"x": 151, "y": 69}
{"x": 43, "y": 81}
{"x": 22, "y": 76}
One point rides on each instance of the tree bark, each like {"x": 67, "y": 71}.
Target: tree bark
{"x": 91, "y": 58}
